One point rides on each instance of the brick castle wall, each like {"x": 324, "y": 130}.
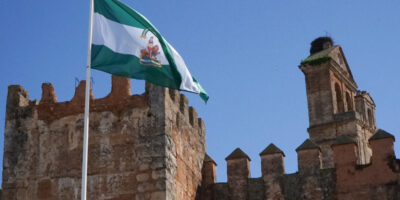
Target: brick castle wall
{"x": 378, "y": 180}
{"x": 152, "y": 146}
{"x": 148, "y": 146}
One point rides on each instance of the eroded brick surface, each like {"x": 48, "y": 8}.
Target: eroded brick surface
{"x": 141, "y": 147}
{"x": 341, "y": 160}
{"x": 152, "y": 147}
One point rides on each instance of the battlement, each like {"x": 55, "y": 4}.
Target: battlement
{"x": 383, "y": 169}
{"x": 119, "y": 99}
{"x": 346, "y": 180}
{"x": 152, "y": 146}
{"x": 139, "y": 145}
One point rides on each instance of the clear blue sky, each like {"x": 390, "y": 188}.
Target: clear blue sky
{"x": 245, "y": 54}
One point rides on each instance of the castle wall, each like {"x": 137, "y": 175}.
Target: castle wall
{"x": 186, "y": 133}
{"x": 311, "y": 182}
{"x": 347, "y": 123}
{"x": 336, "y": 162}
{"x": 139, "y": 148}
{"x": 152, "y": 147}
{"x": 379, "y": 180}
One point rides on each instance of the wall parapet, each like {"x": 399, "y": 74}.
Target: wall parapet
{"x": 383, "y": 168}
{"x": 308, "y": 157}
{"x": 312, "y": 181}
{"x": 272, "y": 161}
{"x": 138, "y": 145}
{"x": 119, "y": 99}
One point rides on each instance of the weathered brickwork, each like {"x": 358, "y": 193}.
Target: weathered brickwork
{"x": 152, "y": 146}
{"x": 346, "y": 156}
{"x": 378, "y": 180}
{"x": 148, "y": 146}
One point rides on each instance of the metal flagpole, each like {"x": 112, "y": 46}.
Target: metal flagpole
{"x": 86, "y": 116}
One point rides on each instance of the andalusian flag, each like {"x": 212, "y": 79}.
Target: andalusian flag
{"x": 126, "y": 44}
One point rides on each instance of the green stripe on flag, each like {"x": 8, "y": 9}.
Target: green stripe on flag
{"x": 124, "y": 12}
{"x": 119, "y": 49}
{"x": 203, "y": 94}
{"x": 104, "y": 59}
{"x": 112, "y": 11}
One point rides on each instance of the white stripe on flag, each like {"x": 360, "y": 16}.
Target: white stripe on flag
{"x": 122, "y": 38}
{"x": 126, "y": 39}
{"x": 187, "y": 79}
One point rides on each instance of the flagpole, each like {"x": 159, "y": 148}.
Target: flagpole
{"x": 86, "y": 115}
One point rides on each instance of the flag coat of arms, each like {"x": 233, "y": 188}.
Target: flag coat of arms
{"x": 125, "y": 43}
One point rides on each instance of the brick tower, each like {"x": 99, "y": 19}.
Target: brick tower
{"x": 335, "y": 106}
{"x": 141, "y": 147}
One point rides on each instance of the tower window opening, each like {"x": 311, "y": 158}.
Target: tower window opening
{"x": 349, "y": 102}
{"x": 339, "y": 99}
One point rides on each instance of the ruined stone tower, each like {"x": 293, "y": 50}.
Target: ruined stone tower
{"x": 335, "y": 106}
{"x": 143, "y": 147}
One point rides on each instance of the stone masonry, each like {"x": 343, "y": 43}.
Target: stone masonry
{"x": 345, "y": 158}
{"x": 148, "y": 146}
{"x": 334, "y": 104}
{"x": 152, "y": 146}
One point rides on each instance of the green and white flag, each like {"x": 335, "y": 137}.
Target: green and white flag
{"x": 125, "y": 43}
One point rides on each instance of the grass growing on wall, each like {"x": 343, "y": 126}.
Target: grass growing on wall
{"x": 316, "y": 61}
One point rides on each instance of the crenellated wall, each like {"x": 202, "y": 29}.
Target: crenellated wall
{"x": 378, "y": 180}
{"x": 186, "y": 147}
{"x": 148, "y": 146}
{"x": 152, "y": 146}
